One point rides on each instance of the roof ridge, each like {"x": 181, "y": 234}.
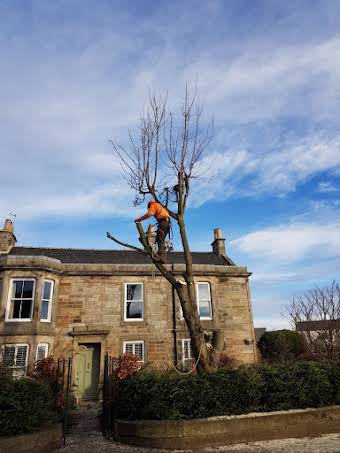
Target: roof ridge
{"x": 95, "y": 250}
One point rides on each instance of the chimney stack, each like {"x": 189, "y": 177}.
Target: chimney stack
{"x": 218, "y": 245}
{"x": 7, "y": 238}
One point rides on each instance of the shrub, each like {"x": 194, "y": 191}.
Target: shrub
{"x": 25, "y": 405}
{"x": 127, "y": 365}
{"x": 45, "y": 370}
{"x": 160, "y": 396}
{"x": 282, "y": 346}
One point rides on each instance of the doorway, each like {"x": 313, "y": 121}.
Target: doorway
{"x": 87, "y": 370}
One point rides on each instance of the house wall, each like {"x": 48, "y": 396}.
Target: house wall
{"x": 88, "y": 307}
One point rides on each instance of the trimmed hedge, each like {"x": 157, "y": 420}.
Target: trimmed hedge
{"x": 282, "y": 346}
{"x": 247, "y": 389}
{"x": 25, "y": 405}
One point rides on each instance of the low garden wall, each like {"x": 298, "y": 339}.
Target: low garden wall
{"x": 178, "y": 434}
{"x": 44, "y": 441}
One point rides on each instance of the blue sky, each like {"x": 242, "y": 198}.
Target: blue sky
{"x": 73, "y": 73}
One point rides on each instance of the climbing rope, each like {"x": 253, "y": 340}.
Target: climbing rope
{"x": 193, "y": 368}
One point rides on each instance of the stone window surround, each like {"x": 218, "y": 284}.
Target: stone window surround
{"x": 8, "y": 305}
{"x": 39, "y": 279}
{"x": 125, "y": 318}
{"x": 190, "y": 356}
{"x": 49, "y": 315}
{"x": 16, "y": 346}
{"x": 204, "y": 318}
{"x": 39, "y": 345}
{"x": 134, "y": 342}
{"x": 208, "y": 318}
{"x": 134, "y": 338}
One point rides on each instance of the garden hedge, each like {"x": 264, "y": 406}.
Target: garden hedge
{"x": 25, "y": 405}
{"x": 282, "y": 346}
{"x": 263, "y": 388}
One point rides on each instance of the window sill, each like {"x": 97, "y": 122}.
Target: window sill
{"x": 18, "y": 320}
{"x": 134, "y": 320}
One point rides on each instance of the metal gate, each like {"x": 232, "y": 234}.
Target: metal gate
{"x": 62, "y": 395}
{"x": 109, "y": 392}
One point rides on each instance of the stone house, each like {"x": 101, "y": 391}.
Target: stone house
{"x": 81, "y": 303}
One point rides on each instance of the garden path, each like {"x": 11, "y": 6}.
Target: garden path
{"x": 85, "y": 437}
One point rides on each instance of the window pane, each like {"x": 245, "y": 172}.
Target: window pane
{"x": 134, "y": 292}
{"x": 203, "y": 291}
{"x": 204, "y": 308}
{"x": 139, "y": 350}
{"x": 129, "y": 348}
{"x": 187, "y": 349}
{"x": 28, "y": 289}
{"x": 47, "y": 290}
{"x": 17, "y": 289}
{"x": 16, "y": 309}
{"x": 21, "y": 356}
{"x": 41, "y": 351}
{"x": 44, "y": 309}
{"x": 134, "y": 310}
{"x": 26, "y": 309}
{"x": 9, "y": 355}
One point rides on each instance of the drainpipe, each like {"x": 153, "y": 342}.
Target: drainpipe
{"x": 174, "y": 321}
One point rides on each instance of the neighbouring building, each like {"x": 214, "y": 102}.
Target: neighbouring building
{"x": 82, "y": 303}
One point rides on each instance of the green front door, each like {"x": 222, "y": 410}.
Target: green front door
{"x": 87, "y": 374}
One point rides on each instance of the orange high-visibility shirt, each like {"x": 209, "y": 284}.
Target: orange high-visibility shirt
{"x": 158, "y": 211}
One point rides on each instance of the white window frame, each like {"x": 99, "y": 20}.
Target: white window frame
{"x": 8, "y": 308}
{"x": 39, "y": 345}
{"x": 198, "y": 301}
{"x": 190, "y": 356}
{"x": 126, "y": 301}
{"x": 49, "y": 315}
{"x": 134, "y": 342}
{"x": 16, "y": 346}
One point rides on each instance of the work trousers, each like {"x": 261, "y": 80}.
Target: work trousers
{"x": 162, "y": 231}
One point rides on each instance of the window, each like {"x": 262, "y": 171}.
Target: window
{"x": 42, "y": 351}
{"x": 186, "y": 351}
{"x": 204, "y": 300}
{"x": 46, "y": 301}
{"x": 15, "y": 356}
{"x": 20, "y": 304}
{"x": 134, "y": 347}
{"x": 134, "y": 305}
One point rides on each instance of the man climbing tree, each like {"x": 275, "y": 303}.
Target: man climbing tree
{"x": 162, "y": 164}
{"x": 163, "y": 218}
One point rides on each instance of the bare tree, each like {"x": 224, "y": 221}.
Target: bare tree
{"x": 317, "y": 315}
{"x": 162, "y": 162}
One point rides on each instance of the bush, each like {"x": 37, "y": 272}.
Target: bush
{"x": 282, "y": 346}
{"x": 25, "y": 405}
{"x": 170, "y": 396}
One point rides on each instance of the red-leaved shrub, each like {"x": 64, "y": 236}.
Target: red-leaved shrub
{"x": 127, "y": 365}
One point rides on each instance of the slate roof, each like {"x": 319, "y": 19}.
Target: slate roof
{"x": 92, "y": 256}
{"x": 327, "y": 324}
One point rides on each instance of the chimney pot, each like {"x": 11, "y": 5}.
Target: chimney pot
{"x": 217, "y": 233}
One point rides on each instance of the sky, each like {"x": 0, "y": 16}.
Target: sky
{"x": 76, "y": 73}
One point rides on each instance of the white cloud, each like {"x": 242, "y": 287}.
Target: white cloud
{"x": 272, "y": 323}
{"x": 242, "y": 173}
{"x": 65, "y": 89}
{"x": 291, "y": 242}
{"x": 326, "y": 186}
